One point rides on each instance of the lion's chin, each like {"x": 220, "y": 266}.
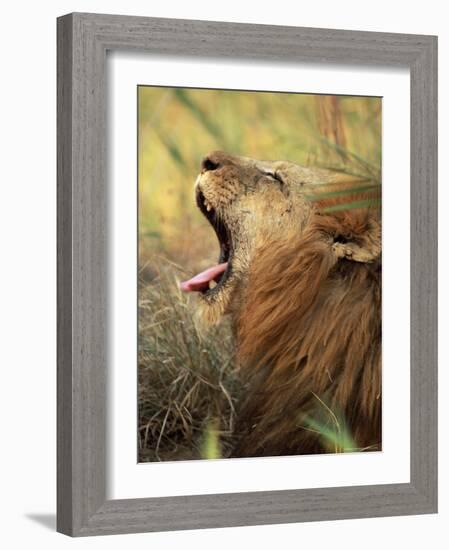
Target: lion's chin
{"x": 217, "y": 302}
{"x": 210, "y": 314}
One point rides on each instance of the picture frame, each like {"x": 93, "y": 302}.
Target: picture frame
{"x": 83, "y": 41}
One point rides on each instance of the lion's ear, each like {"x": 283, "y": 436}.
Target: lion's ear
{"x": 365, "y": 248}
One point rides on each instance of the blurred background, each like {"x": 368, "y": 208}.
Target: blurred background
{"x": 178, "y": 127}
{"x": 188, "y": 385}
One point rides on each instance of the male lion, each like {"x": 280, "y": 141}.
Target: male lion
{"x": 301, "y": 279}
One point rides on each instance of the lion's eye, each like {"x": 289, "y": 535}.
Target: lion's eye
{"x": 276, "y": 176}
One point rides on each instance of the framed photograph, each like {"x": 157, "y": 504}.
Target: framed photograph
{"x": 247, "y": 281}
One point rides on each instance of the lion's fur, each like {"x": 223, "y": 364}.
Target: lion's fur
{"x": 305, "y": 297}
{"x": 310, "y": 331}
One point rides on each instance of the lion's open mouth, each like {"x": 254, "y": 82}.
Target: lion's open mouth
{"x": 211, "y": 280}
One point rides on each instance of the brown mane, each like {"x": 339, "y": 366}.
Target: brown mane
{"x": 309, "y": 338}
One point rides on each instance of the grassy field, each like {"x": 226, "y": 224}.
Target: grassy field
{"x": 187, "y": 381}
{"x": 188, "y": 384}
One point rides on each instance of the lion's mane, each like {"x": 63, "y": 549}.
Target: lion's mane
{"x": 309, "y": 339}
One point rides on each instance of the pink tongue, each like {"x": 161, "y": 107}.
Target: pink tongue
{"x": 202, "y": 280}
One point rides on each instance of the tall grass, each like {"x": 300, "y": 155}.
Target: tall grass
{"x": 188, "y": 384}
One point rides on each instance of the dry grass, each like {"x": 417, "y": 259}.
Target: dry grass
{"x": 188, "y": 384}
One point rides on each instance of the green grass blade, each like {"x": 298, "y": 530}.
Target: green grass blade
{"x": 200, "y": 115}
{"x": 173, "y": 149}
{"x": 335, "y": 438}
{"x": 211, "y": 443}
{"x": 349, "y": 155}
{"x": 341, "y": 192}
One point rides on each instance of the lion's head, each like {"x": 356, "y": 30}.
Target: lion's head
{"x": 253, "y": 204}
{"x": 301, "y": 275}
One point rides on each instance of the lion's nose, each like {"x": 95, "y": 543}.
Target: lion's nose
{"x": 209, "y": 164}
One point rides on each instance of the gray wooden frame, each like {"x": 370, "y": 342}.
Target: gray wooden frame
{"x": 83, "y": 40}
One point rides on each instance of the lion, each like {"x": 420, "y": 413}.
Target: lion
{"x": 300, "y": 275}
